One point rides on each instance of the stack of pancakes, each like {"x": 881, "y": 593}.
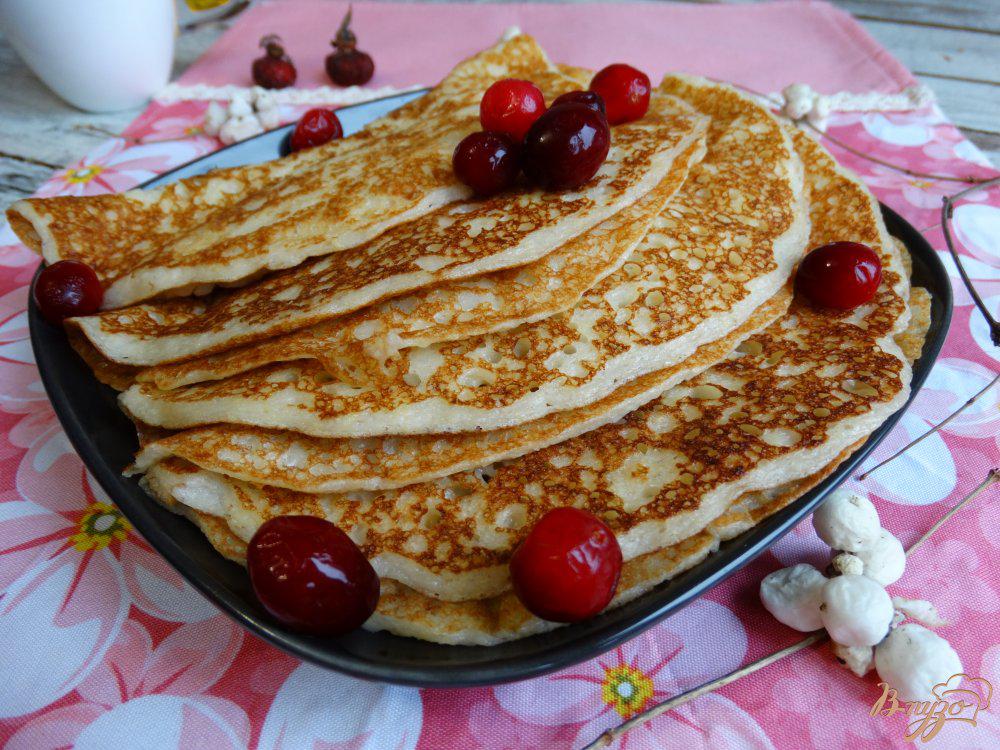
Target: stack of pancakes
{"x": 347, "y": 333}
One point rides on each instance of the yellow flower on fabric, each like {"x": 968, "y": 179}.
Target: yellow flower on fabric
{"x": 197, "y": 5}
{"x": 83, "y": 174}
{"x": 626, "y": 689}
{"x": 101, "y": 524}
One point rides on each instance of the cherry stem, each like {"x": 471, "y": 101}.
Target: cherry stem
{"x": 272, "y": 43}
{"x": 649, "y": 714}
{"x": 345, "y": 37}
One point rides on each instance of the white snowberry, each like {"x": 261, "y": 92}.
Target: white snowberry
{"x": 240, "y": 107}
{"x": 270, "y": 118}
{"x": 263, "y": 99}
{"x": 847, "y": 521}
{"x": 858, "y": 659}
{"x": 920, "y": 610}
{"x": 884, "y": 559}
{"x": 792, "y": 595}
{"x": 239, "y": 129}
{"x": 799, "y": 99}
{"x": 855, "y": 610}
{"x": 847, "y": 563}
{"x": 215, "y": 118}
{"x": 819, "y": 114}
{"x": 914, "y": 659}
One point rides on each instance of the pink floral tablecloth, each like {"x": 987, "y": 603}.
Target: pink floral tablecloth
{"x": 102, "y": 645}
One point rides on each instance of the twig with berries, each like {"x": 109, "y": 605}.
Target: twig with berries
{"x": 911, "y": 657}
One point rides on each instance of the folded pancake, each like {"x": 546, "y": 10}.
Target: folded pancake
{"x": 724, "y": 246}
{"x": 792, "y": 398}
{"x": 456, "y": 309}
{"x": 841, "y": 207}
{"x": 459, "y": 240}
{"x": 310, "y": 464}
{"x": 405, "y": 611}
{"x": 227, "y": 227}
{"x": 486, "y": 622}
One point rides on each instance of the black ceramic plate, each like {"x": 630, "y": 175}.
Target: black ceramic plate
{"x": 105, "y": 440}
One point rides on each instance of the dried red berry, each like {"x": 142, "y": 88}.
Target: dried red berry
{"x": 348, "y": 66}
{"x": 841, "y": 275}
{"x": 316, "y": 127}
{"x": 486, "y": 162}
{"x": 625, "y": 91}
{"x": 274, "y": 70}
{"x": 310, "y": 575}
{"x": 567, "y": 568}
{"x": 67, "y": 289}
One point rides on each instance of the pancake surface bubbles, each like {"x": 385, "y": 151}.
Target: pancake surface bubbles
{"x": 462, "y": 239}
{"x": 457, "y": 309}
{"x": 725, "y": 245}
{"x": 791, "y": 398}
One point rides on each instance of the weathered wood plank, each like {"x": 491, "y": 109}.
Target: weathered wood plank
{"x": 979, "y": 15}
{"x": 988, "y": 143}
{"x": 19, "y": 179}
{"x": 969, "y": 55}
{"x": 37, "y": 128}
{"x": 969, "y": 105}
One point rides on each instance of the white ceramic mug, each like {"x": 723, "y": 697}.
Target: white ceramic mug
{"x": 99, "y": 55}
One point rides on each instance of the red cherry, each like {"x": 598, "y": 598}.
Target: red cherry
{"x": 316, "y": 127}
{"x": 275, "y": 69}
{"x": 568, "y": 566}
{"x": 841, "y": 275}
{"x": 310, "y": 575}
{"x": 348, "y": 66}
{"x": 510, "y": 106}
{"x": 67, "y": 289}
{"x": 590, "y": 98}
{"x": 566, "y": 146}
{"x": 486, "y": 162}
{"x": 625, "y": 91}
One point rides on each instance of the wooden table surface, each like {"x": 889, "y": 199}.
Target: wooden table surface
{"x": 953, "y": 46}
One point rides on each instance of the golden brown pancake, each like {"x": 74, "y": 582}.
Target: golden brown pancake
{"x": 790, "y": 398}
{"x": 725, "y": 245}
{"x": 452, "y": 310}
{"x": 228, "y": 227}
{"x": 485, "y": 622}
{"x": 459, "y": 240}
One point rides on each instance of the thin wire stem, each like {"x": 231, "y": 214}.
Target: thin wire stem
{"x": 974, "y": 181}
{"x": 947, "y": 209}
{"x": 991, "y": 478}
{"x": 931, "y": 431}
{"x": 608, "y": 737}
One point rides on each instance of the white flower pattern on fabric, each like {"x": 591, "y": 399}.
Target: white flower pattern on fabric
{"x": 317, "y": 708}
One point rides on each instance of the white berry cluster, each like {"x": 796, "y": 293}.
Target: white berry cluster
{"x": 866, "y": 625}
{"x": 249, "y": 113}
{"x": 800, "y": 102}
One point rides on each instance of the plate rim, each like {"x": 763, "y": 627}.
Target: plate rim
{"x": 730, "y": 557}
